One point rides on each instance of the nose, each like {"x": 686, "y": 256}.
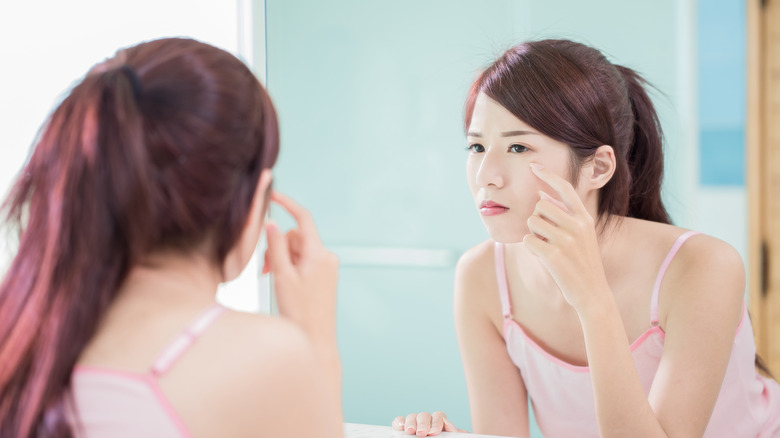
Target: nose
{"x": 490, "y": 171}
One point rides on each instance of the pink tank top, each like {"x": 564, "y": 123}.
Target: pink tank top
{"x": 110, "y": 403}
{"x": 561, "y": 394}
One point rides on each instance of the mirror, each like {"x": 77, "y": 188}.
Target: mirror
{"x": 370, "y": 98}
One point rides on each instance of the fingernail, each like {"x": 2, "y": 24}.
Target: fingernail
{"x": 544, "y": 195}
{"x": 536, "y": 166}
{"x": 272, "y": 228}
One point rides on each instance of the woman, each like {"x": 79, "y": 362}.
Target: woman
{"x": 586, "y": 300}
{"x": 147, "y": 188}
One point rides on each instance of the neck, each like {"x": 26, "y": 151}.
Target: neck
{"x": 537, "y": 277}
{"x": 174, "y": 276}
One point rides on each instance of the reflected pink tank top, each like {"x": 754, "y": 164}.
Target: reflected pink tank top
{"x": 561, "y": 394}
{"x": 110, "y": 403}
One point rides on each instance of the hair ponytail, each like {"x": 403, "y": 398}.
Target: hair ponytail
{"x": 645, "y": 156}
{"x": 645, "y": 160}
{"x": 87, "y": 172}
{"x": 159, "y": 147}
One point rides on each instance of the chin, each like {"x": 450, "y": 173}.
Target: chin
{"x": 504, "y": 235}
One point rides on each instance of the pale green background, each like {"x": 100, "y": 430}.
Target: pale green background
{"x": 370, "y": 96}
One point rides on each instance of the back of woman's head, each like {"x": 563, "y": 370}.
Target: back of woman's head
{"x": 160, "y": 147}
{"x": 572, "y": 93}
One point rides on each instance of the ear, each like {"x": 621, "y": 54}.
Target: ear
{"x": 238, "y": 257}
{"x": 260, "y": 201}
{"x": 597, "y": 172}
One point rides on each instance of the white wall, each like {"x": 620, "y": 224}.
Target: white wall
{"x": 46, "y": 46}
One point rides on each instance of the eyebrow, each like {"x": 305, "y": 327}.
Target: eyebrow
{"x": 503, "y": 134}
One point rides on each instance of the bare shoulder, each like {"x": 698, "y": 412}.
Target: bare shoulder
{"x": 478, "y": 261}
{"x": 710, "y": 253}
{"x": 262, "y": 373}
{"x": 706, "y": 273}
{"x": 475, "y": 269}
{"x": 700, "y": 254}
{"x": 268, "y": 349}
{"x": 476, "y": 289}
{"x": 705, "y": 259}
{"x": 254, "y": 329}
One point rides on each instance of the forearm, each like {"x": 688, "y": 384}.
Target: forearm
{"x": 622, "y": 408}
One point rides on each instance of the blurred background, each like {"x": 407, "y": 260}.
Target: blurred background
{"x": 47, "y": 46}
{"x": 370, "y": 97}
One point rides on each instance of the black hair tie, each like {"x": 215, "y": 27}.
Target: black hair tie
{"x": 135, "y": 83}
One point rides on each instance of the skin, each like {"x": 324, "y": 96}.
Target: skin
{"x": 248, "y": 375}
{"x": 584, "y": 294}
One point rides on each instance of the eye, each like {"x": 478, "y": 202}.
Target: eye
{"x": 475, "y": 148}
{"x": 517, "y": 148}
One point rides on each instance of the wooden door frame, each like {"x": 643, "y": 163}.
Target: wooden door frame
{"x": 761, "y": 240}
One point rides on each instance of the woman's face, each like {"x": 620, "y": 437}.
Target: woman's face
{"x": 501, "y": 148}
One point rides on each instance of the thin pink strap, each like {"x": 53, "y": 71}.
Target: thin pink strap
{"x": 672, "y": 252}
{"x": 175, "y": 349}
{"x": 503, "y": 286}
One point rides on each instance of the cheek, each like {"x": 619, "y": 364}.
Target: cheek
{"x": 560, "y": 169}
{"x": 525, "y": 190}
{"x": 472, "y": 166}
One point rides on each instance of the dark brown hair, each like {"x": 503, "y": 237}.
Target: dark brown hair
{"x": 572, "y": 93}
{"x": 159, "y": 147}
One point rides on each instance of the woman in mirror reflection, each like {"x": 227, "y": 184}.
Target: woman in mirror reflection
{"x": 586, "y": 302}
{"x": 147, "y": 188}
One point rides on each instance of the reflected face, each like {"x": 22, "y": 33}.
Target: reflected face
{"x": 501, "y": 148}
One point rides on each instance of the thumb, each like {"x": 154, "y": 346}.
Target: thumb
{"x": 278, "y": 253}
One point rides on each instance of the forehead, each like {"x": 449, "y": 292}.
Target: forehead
{"x": 489, "y": 117}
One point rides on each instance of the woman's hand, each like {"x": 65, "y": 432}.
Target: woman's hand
{"x": 563, "y": 236}
{"x": 305, "y": 277}
{"x": 425, "y": 424}
{"x": 305, "y": 273}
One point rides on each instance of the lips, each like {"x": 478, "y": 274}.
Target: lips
{"x": 490, "y": 208}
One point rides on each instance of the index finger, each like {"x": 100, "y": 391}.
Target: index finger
{"x": 560, "y": 185}
{"x": 300, "y": 214}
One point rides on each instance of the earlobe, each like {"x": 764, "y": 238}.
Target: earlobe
{"x": 602, "y": 166}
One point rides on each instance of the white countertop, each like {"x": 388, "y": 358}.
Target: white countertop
{"x": 352, "y": 430}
